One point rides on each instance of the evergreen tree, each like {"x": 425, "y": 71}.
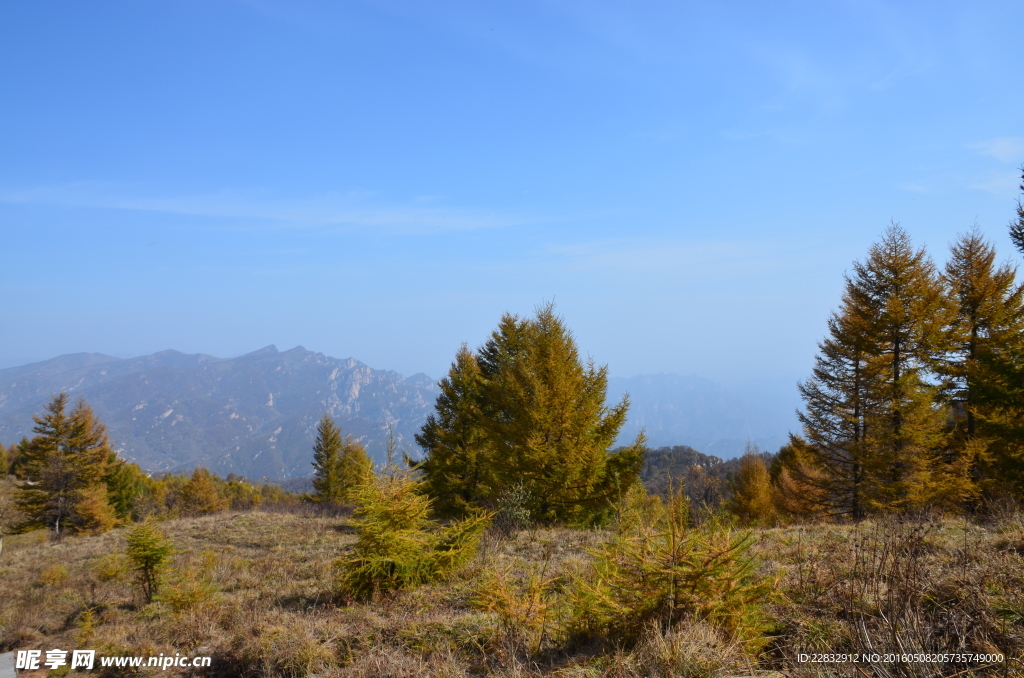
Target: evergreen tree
{"x": 525, "y": 412}
{"x": 989, "y": 323}
{"x": 834, "y": 419}
{"x": 125, "y": 484}
{"x": 63, "y": 465}
{"x": 458, "y": 470}
{"x": 871, "y": 420}
{"x": 326, "y": 451}
{"x": 354, "y": 468}
{"x": 149, "y": 551}
{"x": 752, "y": 501}
{"x": 398, "y": 545}
{"x": 339, "y": 463}
{"x": 199, "y": 496}
{"x": 1017, "y": 227}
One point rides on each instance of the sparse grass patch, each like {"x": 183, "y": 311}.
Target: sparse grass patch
{"x": 273, "y": 613}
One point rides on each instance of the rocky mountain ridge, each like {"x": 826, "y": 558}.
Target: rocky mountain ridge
{"x": 255, "y": 415}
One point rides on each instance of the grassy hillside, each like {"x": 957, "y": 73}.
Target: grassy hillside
{"x": 254, "y": 591}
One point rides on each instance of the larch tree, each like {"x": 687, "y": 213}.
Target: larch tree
{"x": 752, "y": 499}
{"x": 63, "y": 469}
{"x": 354, "y": 467}
{"x": 326, "y": 451}
{"x": 458, "y": 471}
{"x": 525, "y": 412}
{"x": 870, "y": 418}
{"x": 1017, "y": 226}
{"x": 988, "y": 329}
{"x": 339, "y": 463}
{"x": 904, "y": 307}
{"x": 836, "y": 407}
{"x": 199, "y": 496}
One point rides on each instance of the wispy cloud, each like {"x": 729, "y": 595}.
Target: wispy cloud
{"x": 997, "y": 183}
{"x": 352, "y": 209}
{"x": 1003, "y": 149}
{"x": 678, "y": 258}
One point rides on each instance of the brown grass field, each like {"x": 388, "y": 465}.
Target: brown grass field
{"x": 255, "y": 592}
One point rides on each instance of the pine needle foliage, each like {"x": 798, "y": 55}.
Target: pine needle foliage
{"x": 199, "y": 496}
{"x": 871, "y": 417}
{"x": 149, "y": 551}
{"x": 987, "y": 336}
{"x": 398, "y": 546}
{"x": 753, "y": 498}
{"x": 529, "y": 609}
{"x": 1017, "y": 226}
{"x": 64, "y": 467}
{"x": 657, "y": 569}
{"x": 339, "y": 463}
{"x": 526, "y": 409}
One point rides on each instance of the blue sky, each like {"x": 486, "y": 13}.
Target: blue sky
{"x": 381, "y": 180}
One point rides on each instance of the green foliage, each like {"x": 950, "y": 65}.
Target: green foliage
{"x": 241, "y": 495}
{"x": 339, "y": 463}
{"x": 65, "y": 466}
{"x": 125, "y": 484}
{"x": 659, "y": 570}
{"x": 513, "y": 512}
{"x": 1017, "y": 226}
{"x": 525, "y": 409}
{"x": 398, "y": 546}
{"x": 149, "y": 551}
{"x": 5, "y": 460}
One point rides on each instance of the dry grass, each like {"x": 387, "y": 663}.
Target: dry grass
{"x": 254, "y": 591}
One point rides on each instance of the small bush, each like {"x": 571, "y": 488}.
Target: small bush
{"x": 528, "y": 610}
{"x": 398, "y": 546}
{"x": 659, "y": 570}
{"x": 111, "y": 567}
{"x": 51, "y": 575}
{"x": 148, "y": 550}
{"x": 513, "y": 512}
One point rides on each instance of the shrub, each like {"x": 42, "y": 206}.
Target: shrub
{"x": 51, "y": 575}
{"x": 191, "y": 586}
{"x": 111, "y": 567}
{"x": 528, "y": 610}
{"x": 513, "y": 510}
{"x": 148, "y": 550}
{"x": 398, "y": 546}
{"x": 659, "y": 570}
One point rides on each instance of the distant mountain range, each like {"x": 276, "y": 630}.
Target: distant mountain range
{"x": 255, "y": 415}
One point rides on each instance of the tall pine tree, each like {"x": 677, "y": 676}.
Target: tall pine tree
{"x": 987, "y": 328}
{"x": 64, "y": 467}
{"x": 525, "y": 412}
{"x": 458, "y": 471}
{"x": 871, "y": 419}
{"x": 837, "y": 405}
{"x": 900, "y": 300}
